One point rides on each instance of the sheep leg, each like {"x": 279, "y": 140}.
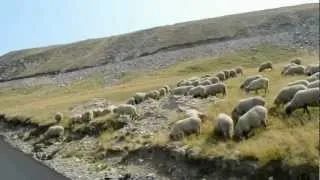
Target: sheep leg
{"x": 307, "y": 111}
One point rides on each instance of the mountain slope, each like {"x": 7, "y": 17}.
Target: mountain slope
{"x": 94, "y": 52}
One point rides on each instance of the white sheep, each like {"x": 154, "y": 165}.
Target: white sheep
{"x": 205, "y": 82}
{"x": 131, "y": 101}
{"x": 154, "y": 94}
{"x": 195, "y": 113}
{"x": 314, "y": 77}
{"x": 195, "y": 83}
{"x": 98, "y": 112}
{"x": 184, "y": 127}
{"x": 232, "y": 73}
{"x": 54, "y": 131}
{"x": 214, "y": 89}
{"x": 213, "y": 80}
{"x": 265, "y": 65}
{"x": 302, "y": 82}
{"x": 286, "y": 67}
{"x": 239, "y": 70}
{"x": 256, "y": 117}
{"x": 311, "y": 69}
{"x": 87, "y": 116}
{"x": 244, "y": 105}
{"x": 182, "y": 90}
{"x": 224, "y": 126}
{"x": 256, "y": 85}
{"x": 249, "y": 80}
{"x": 126, "y": 109}
{"x": 296, "y": 60}
{"x": 314, "y": 84}
{"x": 198, "y": 91}
{"x": 184, "y": 83}
{"x": 139, "y": 97}
{"x": 295, "y": 70}
{"x": 287, "y": 93}
{"x": 226, "y": 74}
{"x": 76, "y": 119}
{"x": 221, "y": 76}
{"x": 58, "y": 117}
{"x": 168, "y": 89}
{"x": 303, "y": 99}
{"x": 163, "y": 91}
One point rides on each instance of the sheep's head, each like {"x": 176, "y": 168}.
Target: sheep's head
{"x": 276, "y": 101}
{"x": 234, "y": 114}
{"x": 246, "y": 89}
{"x": 203, "y": 117}
{"x": 288, "y": 109}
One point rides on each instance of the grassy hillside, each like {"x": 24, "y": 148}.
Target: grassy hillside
{"x": 294, "y": 140}
{"x": 123, "y": 47}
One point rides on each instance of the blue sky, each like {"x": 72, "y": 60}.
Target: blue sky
{"x": 35, "y": 23}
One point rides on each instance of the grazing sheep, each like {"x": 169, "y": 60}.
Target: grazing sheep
{"x": 286, "y": 67}
{"x": 314, "y": 77}
{"x": 294, "y": 70}
{"x": 256, "y": 117}
{"x": 184, "y": 127}
{"x": 239, "y": 70}
{"x": 162, "y": 92}
{"x": 168, "y": 89}
{"x": 303, "y": 99}
{"x": 205, "y": 82}
{"x": 224, "y": 126}
{"x": 214, "y": 89}
{"x": 54, "y": 132}
{"x": 58, "y": 117}
{"x": 311, "y": 69}
{"x": 256, "y": 85}
{"x": 155, "y": 94}
{"x": 139, "y": 97}
{"x": 126, "y": 109}
{"x": 100, "y": 112}
{"x": 195, "y": 83}
{"x": 213, "y": 80}
{"x": 296, "y": 61}
{"x": 76, "y": 119}
{"x": 303, "y": 82}
{"x": 87, "y": 116}
{"x": 184, "y": 83}
{"x": 232, "y": 73}
{"x": 265, "y": 65}
{"x": 221, "y": 76}
{"x": 249, "y": 80}
{"x": 286, "y": 94}
{"x": 183, "y": 90}
{"x": 195, "y": 113}
{"x": 244, "y": 105}
{"x": 131, "y": 101}
{"x": 226, "y": 74}
{"x": 314, "y": 84}
{"x": 198, "y": 91}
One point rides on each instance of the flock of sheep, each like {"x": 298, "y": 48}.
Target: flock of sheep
{"x": 248, "y": 114}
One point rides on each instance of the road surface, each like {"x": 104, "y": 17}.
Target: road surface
{"x": 15, "y": 165}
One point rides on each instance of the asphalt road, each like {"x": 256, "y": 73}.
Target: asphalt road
{"x": 15, "y": 165}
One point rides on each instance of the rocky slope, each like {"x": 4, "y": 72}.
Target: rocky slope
{"x": 165, "y": 45}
